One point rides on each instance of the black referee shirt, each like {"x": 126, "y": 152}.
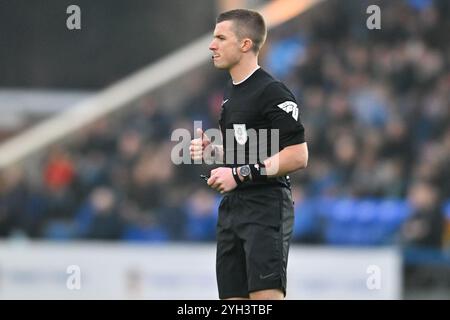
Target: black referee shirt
{"x": 250, "y": 112}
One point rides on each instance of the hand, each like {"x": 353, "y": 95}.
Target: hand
{"x": 198, "y": 145}
{"x": 222, "y": 180}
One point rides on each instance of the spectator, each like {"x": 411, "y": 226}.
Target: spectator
{"x": 99, "y": 218}
{"x": 424, "y": 228}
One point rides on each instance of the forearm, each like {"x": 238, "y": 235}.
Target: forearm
{"x": 286, "y": 161}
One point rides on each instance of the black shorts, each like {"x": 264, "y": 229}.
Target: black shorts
{"x": 254, "y": 230}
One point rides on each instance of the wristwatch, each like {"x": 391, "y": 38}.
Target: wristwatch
{"x": 245, "y": 172}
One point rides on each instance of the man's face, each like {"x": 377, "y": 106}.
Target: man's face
{"x": 225, "y": 46}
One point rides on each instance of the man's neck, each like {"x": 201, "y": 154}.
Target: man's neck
{"x": 242, "y": 71}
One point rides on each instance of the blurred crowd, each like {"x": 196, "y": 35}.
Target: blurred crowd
{"x": 375, "y": 105}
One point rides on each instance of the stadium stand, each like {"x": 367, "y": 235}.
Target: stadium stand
{"x": 376, "y": 111}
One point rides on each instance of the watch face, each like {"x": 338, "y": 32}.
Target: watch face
{"x": 244, "y": 171}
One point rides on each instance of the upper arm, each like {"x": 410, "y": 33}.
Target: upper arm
{"x": 281, "y": 109}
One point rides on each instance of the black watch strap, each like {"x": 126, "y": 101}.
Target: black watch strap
{"x": 236, "y": 176}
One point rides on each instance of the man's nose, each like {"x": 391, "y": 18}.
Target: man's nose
{"x": 212, "y": 46}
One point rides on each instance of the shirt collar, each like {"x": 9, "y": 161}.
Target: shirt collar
{"x": 237, "y": 83}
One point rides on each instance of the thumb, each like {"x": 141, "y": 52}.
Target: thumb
{"x": 202, "y": 135}
{"x": 199, "y": 133}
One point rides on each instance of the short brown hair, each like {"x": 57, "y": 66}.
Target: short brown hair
{"x": 248, "y": 24}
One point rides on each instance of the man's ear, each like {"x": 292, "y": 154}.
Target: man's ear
{"x": 246, "y": 45}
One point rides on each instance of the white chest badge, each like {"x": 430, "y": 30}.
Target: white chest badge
{"x": 240, "y": 133}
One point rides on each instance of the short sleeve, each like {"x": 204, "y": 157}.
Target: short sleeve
{"x": 282, "y": 110}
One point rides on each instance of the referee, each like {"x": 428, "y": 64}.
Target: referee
{"x": 256, "y": 214}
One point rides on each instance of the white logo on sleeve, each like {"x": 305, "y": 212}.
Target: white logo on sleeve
{"x": 290, "y": 106}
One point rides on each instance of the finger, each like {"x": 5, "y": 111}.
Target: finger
{"x": 211, "y": 180}
{"x": 196, "y": 142}
{"x": 217, "y": 184}
{"x": 196, "y": 153}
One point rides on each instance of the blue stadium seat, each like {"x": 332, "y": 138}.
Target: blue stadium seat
{"x": 60, "y": 230}
{"x": 201, "y": 227}
{"x": 338, "y": 224}
{"x": 145, "y": 233}
{"x": 365, "y": 227}
{"x": 307, "y": 221}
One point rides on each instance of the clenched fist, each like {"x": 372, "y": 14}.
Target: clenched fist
{"x": 222, "y": 180}
{"x": 198, "y": 146}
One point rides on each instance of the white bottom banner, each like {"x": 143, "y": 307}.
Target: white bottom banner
{"x": 92, "y": 270}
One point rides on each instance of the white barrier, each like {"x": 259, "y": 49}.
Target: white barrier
{"x": 123, "y": 271}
